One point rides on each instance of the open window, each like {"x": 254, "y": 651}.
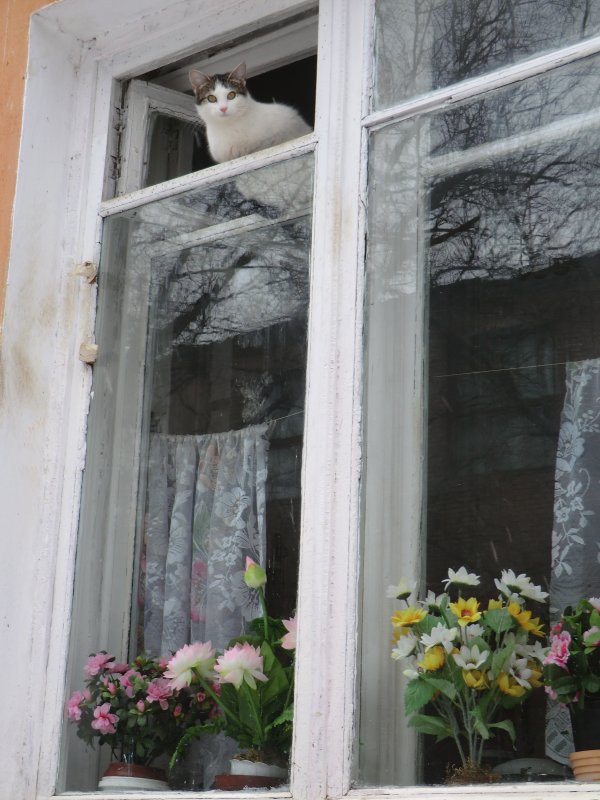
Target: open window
{"x": 163, "y": 136}
{"x": 196, "y": 425}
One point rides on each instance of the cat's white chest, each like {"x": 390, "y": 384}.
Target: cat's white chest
{"x": 263, "y": 125}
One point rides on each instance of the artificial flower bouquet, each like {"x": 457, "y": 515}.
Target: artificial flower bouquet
{"x": 467, "y": 661}
{"x": 251, "y": 682}
{"x": 133, "y": 708}
{"x": 572, "y": 664}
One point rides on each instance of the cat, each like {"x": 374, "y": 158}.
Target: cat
{"x": 235, "y": 123}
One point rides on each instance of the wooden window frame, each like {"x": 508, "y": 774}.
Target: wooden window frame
{"x": 80, "y": 51}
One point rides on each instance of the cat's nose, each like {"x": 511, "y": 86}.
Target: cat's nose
{"x": 223, "y": 109}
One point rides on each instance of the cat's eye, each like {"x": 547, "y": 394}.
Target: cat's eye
{"x": 211, "y": 98}
{"x": 231, "y": 95}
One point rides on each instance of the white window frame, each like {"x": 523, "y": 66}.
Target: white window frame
{"x": 78, "y": 50}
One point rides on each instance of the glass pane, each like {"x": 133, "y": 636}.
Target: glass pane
{"x": 427, "y": 44}
{"x": 174, "y": 145}
{"x": 196, "y": 428}
{"x": 482, "y": 435}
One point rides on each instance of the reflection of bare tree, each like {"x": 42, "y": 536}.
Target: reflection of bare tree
{"x": 426, "y": 44}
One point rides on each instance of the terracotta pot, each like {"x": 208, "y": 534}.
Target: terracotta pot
{"x": 235, "y": 783}
{"x": 586, "y": 765}
{"x": 121, "y": 777}
{"x": 250, "y": 775}
{"x": 586, "y": 724}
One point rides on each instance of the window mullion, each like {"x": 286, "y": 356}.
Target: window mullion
{"x": 327, "y": 603}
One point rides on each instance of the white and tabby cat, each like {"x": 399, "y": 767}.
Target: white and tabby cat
{"x": 236, "y": 124}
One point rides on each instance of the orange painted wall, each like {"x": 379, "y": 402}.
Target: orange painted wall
{"x": 14, "y": 33}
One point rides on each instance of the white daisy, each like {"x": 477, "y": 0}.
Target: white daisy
{"x": 440, "y": 635}
{"x": 405, "y": 646}
{"x": 470, "y": 657}
{"x": 461, "y": 578}
{"x": 401, "y": 590}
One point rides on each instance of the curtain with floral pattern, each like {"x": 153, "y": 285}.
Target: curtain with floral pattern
{"x": 205, "y": 514}
{"x": 575, "y": 534}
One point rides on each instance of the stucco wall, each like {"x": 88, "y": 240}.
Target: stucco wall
{"x": 14, "y": 29}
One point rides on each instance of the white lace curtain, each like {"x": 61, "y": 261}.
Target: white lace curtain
{"x": 575, "y": 535}
{"x": 205, "y": 514}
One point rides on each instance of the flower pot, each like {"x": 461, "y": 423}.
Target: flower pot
{"x": 247, "y": 774}
{"x": 586, "y": 724}
{"x": 121, "y": 777}
{"x": 586, "y": 765}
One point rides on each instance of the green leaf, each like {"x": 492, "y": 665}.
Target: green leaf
{"x": 286, "y": 716}
{"x": 506, "y": 725}
{"x": 498, "y": 619}
{"x": 500, "y": 658}
{"x": 434, "y": 726}
{"x": 442, "y": 685}
{"x": 417, "y": 694}
{"x": 478, "y": 720}
{"x": 278, "y": 683}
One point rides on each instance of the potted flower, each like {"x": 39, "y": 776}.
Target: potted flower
{"x": 572, "y": 676}
{"x": 135, "y": 710}
{"x": 251, "y": 684}
{"x": 468, "y": 661}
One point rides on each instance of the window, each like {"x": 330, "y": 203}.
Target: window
{"x": 481, "y": 336}
{"x": 196, "y": 423}
{"x": 414, "y": 186}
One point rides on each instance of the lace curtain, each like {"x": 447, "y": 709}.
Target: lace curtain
{"x": 205, "y": 514}
{"x": 575, "y": 537}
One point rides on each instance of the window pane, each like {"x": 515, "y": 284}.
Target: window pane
{"x": 483, "y": 354}
{"x": 196, "y": 427}
{"x": 427, "y": 44}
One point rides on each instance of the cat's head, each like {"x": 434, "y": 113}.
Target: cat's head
{"x": 220, "y": 96}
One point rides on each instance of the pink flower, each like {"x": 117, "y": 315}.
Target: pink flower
{"x": 289, "y": 640}
{"x": 111, "y": 688}
{"x": 177, "y": 711}
{"x": 141, "y": 706}
{"x": 197, "y": 658}
{"x": 97, "y": 663}
{"x": 73, "y": 706}
{"x": 104, "y": 721}
{"x": 119, "y": 668}
{"x": 591, "y": 633}
{"x": 240, "y": 663}
{"x": 550, "y": 692}
{"x": 595, "y": 601}
{"x": 127, "y": 681}
{"x": 200, "y": 697}
{"x": 159, "y": 691}
{"x": 559, "y": 650}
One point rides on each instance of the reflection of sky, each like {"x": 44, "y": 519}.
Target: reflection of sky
{"x": 429, "y": 44}
{"x": 512, "y": 187}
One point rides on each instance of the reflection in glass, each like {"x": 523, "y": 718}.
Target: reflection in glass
{"x": 427, "y": 44}
{"x": 196, "y": 427}
{"x": 483, "y": 265}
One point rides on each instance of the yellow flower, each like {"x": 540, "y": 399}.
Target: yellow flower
{"x": 433, "y": 659}
{"x": 466, "y": 611}
{"x": 508, "y": 685}
{"x": 523, "y": 617}
{"x": 475, "y": 679}
{"x": 535, "y": 679}
{"x": 398, "y": 633}
{"x": 534, "y": 626}
{"x": 494, "y": 604}
{"x": 409, "y": 616}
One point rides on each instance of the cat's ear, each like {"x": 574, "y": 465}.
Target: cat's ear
{"x": 198, "y": 80}
{"x": 238, "y": 74}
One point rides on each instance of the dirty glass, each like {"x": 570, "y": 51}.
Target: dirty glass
{"x": 196, "y": 427}
{"x": 482, "y": 434}
{"x": 422, "y": 45}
